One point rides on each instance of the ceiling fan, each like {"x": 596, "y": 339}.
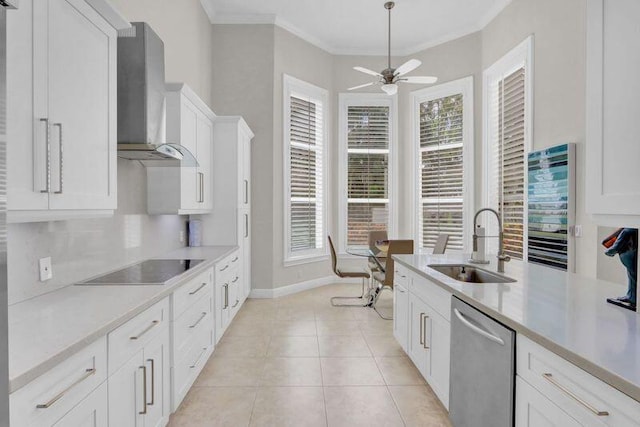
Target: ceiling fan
{"x": 389, "y": 77}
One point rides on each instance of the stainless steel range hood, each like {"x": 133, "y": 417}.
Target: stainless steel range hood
{"x": 141, "y": 101}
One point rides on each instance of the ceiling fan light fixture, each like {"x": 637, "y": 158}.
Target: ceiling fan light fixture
{"x": 390, "y": 88}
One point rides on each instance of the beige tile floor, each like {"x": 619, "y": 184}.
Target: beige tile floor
{"x": 297, "y": 361}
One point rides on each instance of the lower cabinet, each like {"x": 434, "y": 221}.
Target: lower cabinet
{"x": 229, "y": 291}
{"x": 533, "y": 409}
{"x": 139, "y": 390}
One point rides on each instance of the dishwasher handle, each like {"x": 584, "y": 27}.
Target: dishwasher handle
{"x": 476, "y": 329}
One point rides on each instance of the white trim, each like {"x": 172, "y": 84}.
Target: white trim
{"x": 300, "y": 287}
{"x": 346, "y": 100}
{"x": 291, "y": 85}
{"x": 207, "y": 5}
{"x": 462, "y": 86}
{"x": 110, "y": 14}
{"x": 521, "y": 55}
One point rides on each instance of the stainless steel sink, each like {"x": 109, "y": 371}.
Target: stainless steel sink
{"x": 470, "y": 274}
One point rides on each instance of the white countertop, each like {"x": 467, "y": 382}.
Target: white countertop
{"x": 46, "y": 330}
{"x": 564, "y": 312}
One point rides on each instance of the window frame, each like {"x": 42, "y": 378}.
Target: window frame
{"x": 518, "y": 57}
{"x": 465, "y": 87}
{"x": 295, "y": 87}
{"x": 346, "y": 100}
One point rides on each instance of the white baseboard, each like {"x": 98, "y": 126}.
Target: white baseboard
{"x": 299, "y": 287}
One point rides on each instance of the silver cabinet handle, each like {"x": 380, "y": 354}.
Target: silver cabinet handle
{"x": 549, "y": 377}
{"x": 424, "y": 338}
{"x": 246, "y": 225}
{"x": 235, "y": 280}
{"x": 224, "y": 268}
{"x": 235, "y": 259}
{"x": 226, "y": 296}
{"x": 153, "y": 381}
{"x": 54, "y": 399}
{"x": 204, "y": 314}
{"x": 198, "y": 359}
{"x": 421, "y": 329}
{"x": 144, "y": 390}
{"x": 236, "y": 304}
{"x": 198, "y": 289}
{"x": 60, "y": 157}
{"x": 246, "y": 191}
{"x": 147, "y": 329}
{"x": 48, "y": 160}
{"x": 201, "y": 181}
{"x": 476, "y": 329}
{"x": 399, "y": 289}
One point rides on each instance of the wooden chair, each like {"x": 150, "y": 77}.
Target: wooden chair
{"x": 385, "y": 278}
{"x": 343, "y": 274}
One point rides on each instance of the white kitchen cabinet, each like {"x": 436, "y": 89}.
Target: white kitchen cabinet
{"x": 401, "y": 315}
{"x": 187, "y": 189}
{"x": 91, "y": 412}
{"x": 62, "y": 144}
{"x": 417, "y": 348}
{"x": 437, "y": 337}
{"x": 230, "y": 221}
{"x": 535, "y": 410}
{"x": 228, "y": 292}
{"x": 612, "y": 149}
{"x": 139, "y": 364}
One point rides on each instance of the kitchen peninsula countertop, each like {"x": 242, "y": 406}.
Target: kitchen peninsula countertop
{"x": 46, "y": 330}
{"x": 564, "y": 312}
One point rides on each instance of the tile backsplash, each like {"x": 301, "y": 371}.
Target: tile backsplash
{"x": 83, "y": 248}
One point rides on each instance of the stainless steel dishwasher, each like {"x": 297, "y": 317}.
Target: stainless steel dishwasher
{"x": 482, "y": 376}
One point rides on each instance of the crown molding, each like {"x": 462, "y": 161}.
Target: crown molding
{"x": 207, "y": 5}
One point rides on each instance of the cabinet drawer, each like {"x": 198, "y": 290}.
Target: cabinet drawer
{"x": 192, "y": 291}
{"x": 434, "y": 295}
{"x": 131, "y": 337}
{"x": 188, "y": 365}
{"x": 579, "y": 393}
{"x": 199, "y": 316}
{"x": 227, "y": 264}
{"x": 91, "y": 412}
{"x": 47, "y": 398}
{"x": 401, "y": 275}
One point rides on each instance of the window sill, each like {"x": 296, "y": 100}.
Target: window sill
{"x": 305, "y": 260}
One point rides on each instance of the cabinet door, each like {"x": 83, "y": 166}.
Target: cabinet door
{"x": 234, "y": 296}
{"x": 244, "y": 239}
{"x": 205, "y": 179}
{"x": 189, "y": 182}
{"x": 156, "y": 361}
{"x": 417, "y": 347}
{"x": 245, "y": 170}
{"x": 91, "y": 412}
{"x": 81, "y": 82}
{"x": 126, "y": 393}
{"x": 437, "y": 331}
{"x": 535, "y": 410}
{"x": 223, "y": 305}
{"x": 401, "y": 315}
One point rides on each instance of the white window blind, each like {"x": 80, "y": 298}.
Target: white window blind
{"x": 441, "y": 171}
{"x": 305, "y": 202}
{"x": 368, "y": 136}
{"x": 507, "y": 157}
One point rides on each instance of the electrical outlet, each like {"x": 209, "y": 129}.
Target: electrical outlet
{"x": 577, "y": 230}
{"x": 46, "y": 272}
{"x": 181, "y": 236}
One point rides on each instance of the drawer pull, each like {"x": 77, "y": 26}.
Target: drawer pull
{"x": 198, "y": 289}
{"x": 224, "y": 268}
{"x": 421, "y": 329}
{"x": 549, "y": 377}
{"x": 144, "y": 390}
{"x": 198, "y": 359}
{"x": 400, "y": 290}
{"x": 235, "y": 259}
{"x": 235, "y": 280}
{"x": 54, "y": 399}
{"x": 236, "y": 304}
{"x": 204, "y": 314}
{"x": 153, "y": 381}
{"x": 147, "y": 329}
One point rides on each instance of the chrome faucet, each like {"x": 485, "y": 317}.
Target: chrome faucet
{"x": 502, "y": 256}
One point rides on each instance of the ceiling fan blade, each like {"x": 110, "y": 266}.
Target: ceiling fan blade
{"x": 424, "y": 80}
{"x": 361, "y": 86}
{"x": 367, "y": 71}
{"x": 407, "y": 67}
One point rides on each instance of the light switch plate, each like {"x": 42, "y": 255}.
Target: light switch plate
{"x": 46, "y": 272}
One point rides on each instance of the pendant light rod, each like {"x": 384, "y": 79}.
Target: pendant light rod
{"x": 389, "y": 5}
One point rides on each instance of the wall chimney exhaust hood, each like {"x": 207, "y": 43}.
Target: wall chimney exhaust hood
{"x": 141, "y": 101}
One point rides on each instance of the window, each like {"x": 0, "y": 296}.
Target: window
{"x": 305, "y": 140}
{"x": 507, "y": 139}
{"x": 366, "y": 167}
{"x": 443, "y": 117}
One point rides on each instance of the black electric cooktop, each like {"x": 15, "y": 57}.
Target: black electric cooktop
{"x": 150, "y": 272}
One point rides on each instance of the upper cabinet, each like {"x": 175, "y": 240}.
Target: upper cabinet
{"x": 61, "y": 96}
{"x": 613, "y": 128}
{"x": 184, "y": 190}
